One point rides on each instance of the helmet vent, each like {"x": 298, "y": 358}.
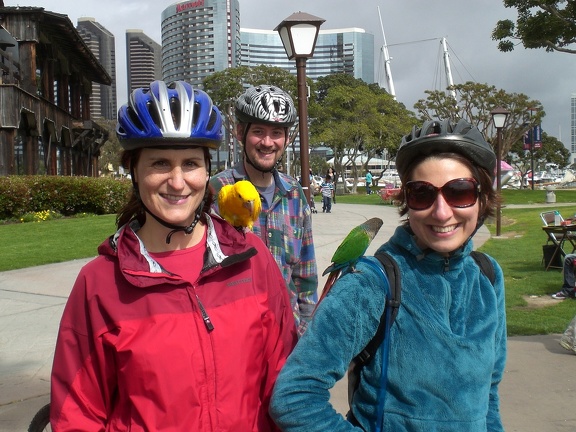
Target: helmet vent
{"x": 213, "y": 120}
{"x": 433, "y": 129}
{"x": 134, "y": 118}
{"x": 196, "y": 113}
{"x": 175, "y": 111}
{"x": 153, "y": 113}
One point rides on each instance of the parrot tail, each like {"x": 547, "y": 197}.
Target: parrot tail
{"x": 332, "y": 278}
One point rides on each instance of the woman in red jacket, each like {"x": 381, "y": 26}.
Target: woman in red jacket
{"x": 182, "y": 322}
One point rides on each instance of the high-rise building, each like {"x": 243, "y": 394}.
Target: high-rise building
{"x": 348, "y": 51}
{"x": 143, "y": 59}
{"x": 101, "y": 43}
{"x": 199, "y": 37}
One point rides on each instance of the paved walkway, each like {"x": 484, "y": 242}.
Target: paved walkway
{"x": 537, "y": 391}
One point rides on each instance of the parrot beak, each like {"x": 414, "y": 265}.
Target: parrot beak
{"x": 249, "y": 205}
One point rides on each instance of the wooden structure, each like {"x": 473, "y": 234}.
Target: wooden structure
{"x": 46, "y": 82}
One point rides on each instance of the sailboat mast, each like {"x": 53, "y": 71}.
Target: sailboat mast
{"x": 447, "y": 68}
{"x": 387, "y": 59}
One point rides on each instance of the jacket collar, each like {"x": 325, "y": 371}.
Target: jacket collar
{"x": 224, "y": 246}
{"x": 405, "y": 239}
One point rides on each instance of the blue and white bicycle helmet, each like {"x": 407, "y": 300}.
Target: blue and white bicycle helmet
{"x": 437, "y": 136}
{"x": 266, "y": 104}
{"x": 169, "y": 115}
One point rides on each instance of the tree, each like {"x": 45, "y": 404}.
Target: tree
{"x": 474, "y": 103}
{"x": 337, "y": 79}
{"x": 553, "y": 151}
{"x": 110, "y": 151}
{"x": 357, "y": 121}
{"x": 540, "y": 24}
{"x": 319, "y": 165}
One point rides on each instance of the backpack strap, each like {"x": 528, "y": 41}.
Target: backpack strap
{"x": 381, "y": 340}
{"x": 485, "y": 265}
{"x": 392, "y": 305}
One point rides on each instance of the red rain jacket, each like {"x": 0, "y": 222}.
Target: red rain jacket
{"x": 135, "y": 351}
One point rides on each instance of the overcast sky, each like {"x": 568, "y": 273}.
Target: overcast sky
{"x": 413, "y": 31}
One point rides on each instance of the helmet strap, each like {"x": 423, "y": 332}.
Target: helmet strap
{"x": 175, "y": 228}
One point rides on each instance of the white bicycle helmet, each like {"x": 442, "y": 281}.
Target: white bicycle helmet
{"x": 266, "y": 104}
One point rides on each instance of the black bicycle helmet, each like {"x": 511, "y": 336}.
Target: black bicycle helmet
{"x": 169, "y": 115}
{"x": 266, "y": 104}
{"x": 439, "y": 136}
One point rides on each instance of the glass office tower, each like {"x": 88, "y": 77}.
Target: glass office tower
{"x": 101, "y": 43}
{"x": 143, "y": 59}
{"x": 348, "y": 51}
{"x": 199, "y": 38}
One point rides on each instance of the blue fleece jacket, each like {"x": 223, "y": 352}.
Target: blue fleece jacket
{"x": 447, "y": 351}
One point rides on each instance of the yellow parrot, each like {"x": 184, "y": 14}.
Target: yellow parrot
{"x": 239, "y": 204}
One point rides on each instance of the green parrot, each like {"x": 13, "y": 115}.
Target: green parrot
{"x": 351, "y": 250}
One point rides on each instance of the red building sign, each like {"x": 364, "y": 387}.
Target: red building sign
{"x": 190, "y": 5}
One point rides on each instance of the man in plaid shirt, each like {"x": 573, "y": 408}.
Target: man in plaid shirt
{"x": 264, "y": 117}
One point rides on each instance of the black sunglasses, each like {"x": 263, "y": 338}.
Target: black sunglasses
{"x": 460, "y": 193}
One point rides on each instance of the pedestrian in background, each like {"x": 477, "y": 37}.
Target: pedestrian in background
{"x": 334, "y": 175}
{"x": 368, "y": 182}
{"x": 569, "y": 279}
{"x": 327, "y": 190}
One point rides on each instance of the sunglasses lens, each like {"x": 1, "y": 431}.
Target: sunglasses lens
{"x": 460, "y": 193}
{"x": 420, "y": 195}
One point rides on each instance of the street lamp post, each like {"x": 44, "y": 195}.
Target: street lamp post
{"x": 299, "y": 33}
{"x": 532, "y": 145}
{"x": 499, "y": 116}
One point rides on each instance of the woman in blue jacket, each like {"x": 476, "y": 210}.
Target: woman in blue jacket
{"x": 448, "y": 343}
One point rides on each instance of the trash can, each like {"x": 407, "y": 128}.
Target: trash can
{"x": 550, "y": 195}
{"x": 547, "y": 252}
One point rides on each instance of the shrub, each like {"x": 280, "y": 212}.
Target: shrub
{"x": 22, "y": 195}
{"x": 14, "y": 196}
{"x": 40, "y": 216}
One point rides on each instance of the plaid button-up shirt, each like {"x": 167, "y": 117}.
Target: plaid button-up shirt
{"x": 286, "y": 228}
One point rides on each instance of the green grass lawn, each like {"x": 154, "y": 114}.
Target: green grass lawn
{"x": 519, "y": 253}
{"x": 36, "y": 243}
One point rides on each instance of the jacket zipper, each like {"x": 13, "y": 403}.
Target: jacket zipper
{"x": 205, "y": 317}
